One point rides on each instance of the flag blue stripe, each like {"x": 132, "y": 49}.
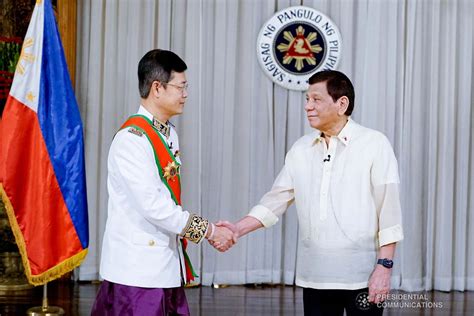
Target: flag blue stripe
{"x": 61, "y": 126}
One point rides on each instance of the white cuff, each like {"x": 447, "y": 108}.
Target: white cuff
{"x": 390, "y": 235}
{"x": 264, "y": 215}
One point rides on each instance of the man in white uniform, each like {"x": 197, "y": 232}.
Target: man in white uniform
{"x": 143, "y": 262}
{"x": 344, "y": 180}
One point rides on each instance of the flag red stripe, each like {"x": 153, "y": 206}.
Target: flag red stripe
{"x": 40, "y": 210}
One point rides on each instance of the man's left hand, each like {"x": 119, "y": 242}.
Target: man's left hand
{"x": 379, "y": 284}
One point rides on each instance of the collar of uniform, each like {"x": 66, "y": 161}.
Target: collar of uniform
{"x": 163, "y": 128}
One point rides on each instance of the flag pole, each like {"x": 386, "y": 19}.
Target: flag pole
{"x": 45, "y": 309}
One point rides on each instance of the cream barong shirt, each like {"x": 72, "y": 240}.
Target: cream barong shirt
{"x": 347, "y": 201}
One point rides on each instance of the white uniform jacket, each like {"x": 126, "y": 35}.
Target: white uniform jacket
{"x": 140, "y": 245}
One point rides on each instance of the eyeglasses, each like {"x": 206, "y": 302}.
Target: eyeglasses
{"x": 180, "y": 88}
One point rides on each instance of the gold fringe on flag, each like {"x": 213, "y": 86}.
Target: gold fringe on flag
{"x": 49, "y": 275}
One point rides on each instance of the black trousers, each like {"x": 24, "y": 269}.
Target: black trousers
{"x": 333, "y": 303}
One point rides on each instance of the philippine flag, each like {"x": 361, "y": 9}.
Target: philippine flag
{"x": 42, "y": 170}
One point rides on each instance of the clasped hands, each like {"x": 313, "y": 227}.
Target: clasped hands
{"x": 223, "y": 235}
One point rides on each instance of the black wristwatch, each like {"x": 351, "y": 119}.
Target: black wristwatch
{"x": 387, "y": 263}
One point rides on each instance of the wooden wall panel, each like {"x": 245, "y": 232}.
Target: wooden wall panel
{"x": 67, "y": 25}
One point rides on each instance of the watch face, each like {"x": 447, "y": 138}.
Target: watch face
{"x": 387, "y": 263}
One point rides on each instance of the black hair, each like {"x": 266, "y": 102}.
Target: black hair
{"x": 157, "y": 65}
{"x": 337, "y": 84}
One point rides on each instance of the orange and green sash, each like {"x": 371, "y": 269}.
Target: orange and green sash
{"x": 163, "y": 159}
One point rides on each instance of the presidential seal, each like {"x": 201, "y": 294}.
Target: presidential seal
{"x": 295, "y": 43}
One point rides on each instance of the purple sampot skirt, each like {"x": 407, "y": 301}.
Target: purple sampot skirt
{"x": 116, "y": 299}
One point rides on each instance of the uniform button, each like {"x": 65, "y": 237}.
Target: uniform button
{"x": 151, "y": 242}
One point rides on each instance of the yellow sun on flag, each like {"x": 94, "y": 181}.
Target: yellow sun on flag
{"x": 30, "y": 97}
{"x": 24, "y": 56}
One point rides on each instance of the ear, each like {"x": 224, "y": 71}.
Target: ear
{"x": 156, "y": 89}
{"x": 343, "y": 105}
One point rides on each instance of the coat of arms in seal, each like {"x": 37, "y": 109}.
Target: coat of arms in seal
{"x": 297, "y": 42}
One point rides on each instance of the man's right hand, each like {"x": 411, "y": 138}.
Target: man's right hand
{"x": 233, "y": 227}
{"x": 239, "y": 229}
{"x": 223, "y": 238}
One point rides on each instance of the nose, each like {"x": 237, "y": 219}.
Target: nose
{"x": 185, "y": 93}
{"x": 308, "y": 106}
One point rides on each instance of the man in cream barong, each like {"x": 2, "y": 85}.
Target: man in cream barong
{"x": 344, "y": 180}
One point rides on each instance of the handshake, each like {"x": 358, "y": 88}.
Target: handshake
{"x": 222, "y": 235}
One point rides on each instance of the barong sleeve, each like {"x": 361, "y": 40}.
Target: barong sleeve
{"x": 274, "y": 203}
{"x": 387, "y": 202}
{"x": 385, "y": 181}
